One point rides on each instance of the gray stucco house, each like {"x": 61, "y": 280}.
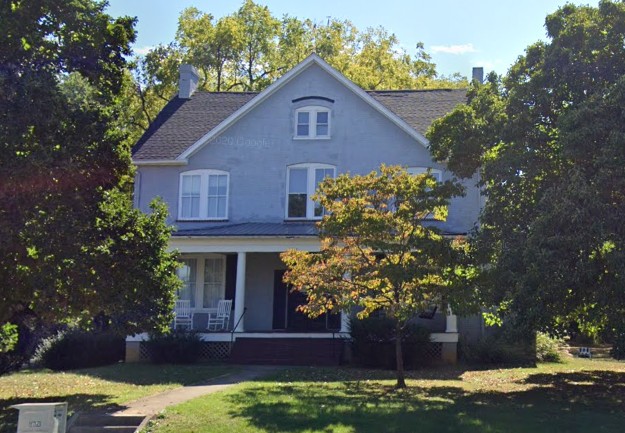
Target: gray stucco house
{"x": 237, "y": 171}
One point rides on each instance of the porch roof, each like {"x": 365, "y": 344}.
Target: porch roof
{"x": 252, "y": 229}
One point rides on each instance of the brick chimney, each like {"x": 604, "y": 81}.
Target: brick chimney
{"x": 478, "y": 75}
{"x": 189, "y": 79}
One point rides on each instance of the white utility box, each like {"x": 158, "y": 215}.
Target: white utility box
{"x": 41, "y": 417}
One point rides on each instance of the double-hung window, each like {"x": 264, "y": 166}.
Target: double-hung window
{"x": 312, "y": 122}
{"x": 187, "y": 273}
{"x": 302, "y": 182}
{"x": 203, "y": 195}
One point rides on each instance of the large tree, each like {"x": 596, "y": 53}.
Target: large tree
{"x": 379, "y": 249}
{"x": 548, "y": 140}
{"x": 72, "y": 246}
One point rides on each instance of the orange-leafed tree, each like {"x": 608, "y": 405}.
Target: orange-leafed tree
{"x": 381, "y": 249}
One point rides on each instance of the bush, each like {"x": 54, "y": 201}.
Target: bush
{"x": 174, "y": 348}
{"x": 373, "y": 343}
{"x": 498, "y": 349}
{"x": 548, "y": 349}
{"x": 69, "y": 350}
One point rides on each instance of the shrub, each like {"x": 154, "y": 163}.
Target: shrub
{"x": 498, "y": 349}
{"x": 69, "y": 350}
{"x": 174, "y": 348}
{"x": 548, "y": 349}
{"x": 373, "y": 343}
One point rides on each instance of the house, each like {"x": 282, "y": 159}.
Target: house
{"x": 237, "y": 171}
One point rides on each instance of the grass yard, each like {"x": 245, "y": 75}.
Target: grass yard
{"x": 579, "y": 396}
{"x": 96, "y": 388}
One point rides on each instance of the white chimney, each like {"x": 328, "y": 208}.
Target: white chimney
{"x": 478, "y": 75}
{"x": 187, "y": 84}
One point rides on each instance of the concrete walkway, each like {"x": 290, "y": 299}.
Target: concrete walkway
{"x": 154, "y": 404}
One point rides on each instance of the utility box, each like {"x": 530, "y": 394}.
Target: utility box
{"x": 41, "y": 417}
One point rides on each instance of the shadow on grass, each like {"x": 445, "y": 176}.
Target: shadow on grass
{"x": 76, "y": 403}
{"x": 561, "y": 402}
{"x": 156, "y": 374}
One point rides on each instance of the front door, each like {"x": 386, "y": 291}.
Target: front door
{"x": 286, "y": 316}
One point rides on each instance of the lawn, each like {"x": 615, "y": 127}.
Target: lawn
{"x": 106, "y": 388}
{"x": 578, "y": 396}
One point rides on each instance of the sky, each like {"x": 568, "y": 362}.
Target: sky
{"x": 457, "y": 34}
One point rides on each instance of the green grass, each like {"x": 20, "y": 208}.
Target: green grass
{"x": 106, "y": 388}
{"x": 578, "y": 396}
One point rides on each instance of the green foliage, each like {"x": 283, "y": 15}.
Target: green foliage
{"x": 8, "y": 337}
{"x": 70, "y": 350}
{"x": 251, "y": 48}
{"x": 376, "y": 251}
{"x": 548, "y": 348}
{"x": 72, "y": 246}
{"x": 497, "y": 350}
{"x": 549, "y": 140}
{"x": 174, "y": 348}
{"x": 373, "y": 343}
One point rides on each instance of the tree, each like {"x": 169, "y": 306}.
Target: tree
{"x": 73, "y": 248}
{"x": 249, "y": 49}
{"x": 377, "y": 253}
{"x": 548, "y": 141}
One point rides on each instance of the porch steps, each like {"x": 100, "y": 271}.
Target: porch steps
{"x": 287, "y": 351}
{"x": 104, "y": 423}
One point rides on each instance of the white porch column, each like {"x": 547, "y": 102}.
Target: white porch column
{"x": 344, "y": 322}
{"x": 451, "y": 322}
{"x": 239, "y": 295}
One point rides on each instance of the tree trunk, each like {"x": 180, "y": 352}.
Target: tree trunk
{"x": 401, "y": 381}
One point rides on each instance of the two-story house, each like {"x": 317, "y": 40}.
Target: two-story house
{"x": 237, "y": 171}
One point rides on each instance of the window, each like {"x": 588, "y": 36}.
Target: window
{"x": 302, "y": 182}
{"x": 214, "y": 281}
{"x": 203, "y": 195}
{"x": 187, "y": 273}
{"x": 312, "y": 122}
{"x": 438, "y": 174}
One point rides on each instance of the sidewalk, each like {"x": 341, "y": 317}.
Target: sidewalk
{"x": 156, "y": 403}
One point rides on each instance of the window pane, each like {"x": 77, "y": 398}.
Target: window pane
{"x": 221, "y": 207}
{"x": 222, "y": 184}
{"x": 298, "y": 179}
{"x": 185, "y": 212}
{"x": 303, "y": 117}
{"x": 187, "y": 273}
{"x": 297, "y": 205}
{"x": 212, "y": 184}
{"x": 322, "y": 130}
{"x": 191, "y": 184}
{"x": 195, "y": 207}
{"x": 213, "y": 282}
{"x": 302, "y": 130}
{"x": 212, "y": 207}
{"x": 322, "y": 117}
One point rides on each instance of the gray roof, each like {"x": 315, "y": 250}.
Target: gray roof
{"x": 184, "y": 121}
{"x": 286, "y": 229}
{"x": 252, "y": 229}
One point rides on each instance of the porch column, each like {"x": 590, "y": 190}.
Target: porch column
{"x": 451, "y": 322}
{"x": 344, "y": 322}
{"x": 239, "y": 295}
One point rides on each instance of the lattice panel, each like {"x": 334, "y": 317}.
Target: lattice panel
{"x": 144, "y": 354}
{"x": 212, "y": 350}
{"x": 433, "y": 352}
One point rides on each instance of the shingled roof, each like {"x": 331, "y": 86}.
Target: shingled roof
{"x": 184, "y": 121}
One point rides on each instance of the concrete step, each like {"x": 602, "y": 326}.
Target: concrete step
{"x": 104, "y": 423}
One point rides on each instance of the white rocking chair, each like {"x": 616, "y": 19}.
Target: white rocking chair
{"x": 183, "y": 314}
{"x": 221, "y": 319}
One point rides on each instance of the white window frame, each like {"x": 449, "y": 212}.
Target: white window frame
{"x": 310, "y": 189}
{"x": 204, "y": 177}
{"x": 312, "y": 111}
{"x": 198, "y": 279}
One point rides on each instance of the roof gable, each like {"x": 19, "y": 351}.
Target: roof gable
{"x": 185, "y": 126}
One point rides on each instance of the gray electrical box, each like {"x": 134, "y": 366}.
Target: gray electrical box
{"x": 41, "y": 417}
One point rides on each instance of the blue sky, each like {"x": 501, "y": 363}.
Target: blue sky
{"x": 457, "y": 34}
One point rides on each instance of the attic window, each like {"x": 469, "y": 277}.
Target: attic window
{"x": 312, "y": 122}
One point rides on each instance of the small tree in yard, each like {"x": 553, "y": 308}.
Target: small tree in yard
{"x": 378, "y": 249}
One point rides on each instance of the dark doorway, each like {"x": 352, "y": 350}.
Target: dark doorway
{"x": 286, "y": 316}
